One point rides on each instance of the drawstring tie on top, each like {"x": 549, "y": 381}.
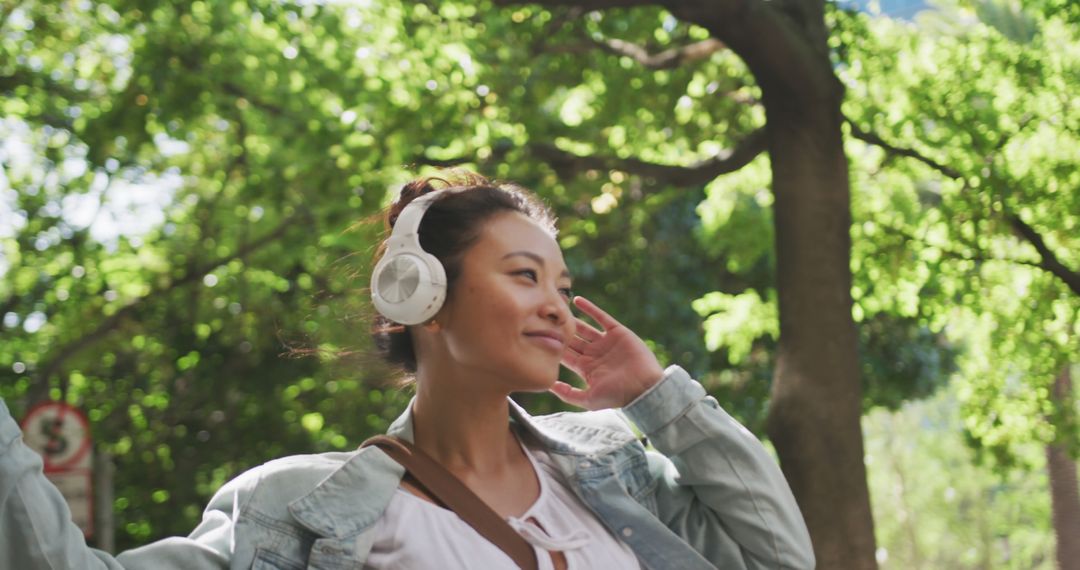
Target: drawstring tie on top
{"x": 536, "y": 536}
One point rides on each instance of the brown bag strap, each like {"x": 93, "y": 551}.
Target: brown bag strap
{"x": 445, "y": 487}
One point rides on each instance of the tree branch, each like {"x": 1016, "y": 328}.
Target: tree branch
{"x": 14, "y": 300}
{"x": 558, "y": 21}
{"x": 5, "y": 12}
{"x": 667, "y": 59}
{"x": 953, "y": 253}
{"x": 1048, "y": 260}
{"x": 40, "y": 82}
{"x": 238, "y": 92}
{"x": 586, "y": 4}
{"x": 568, "y": 164}
{"x": 772, "y": 44}
{"x": 76, "y": 346}
{"x": 874, "y": 139}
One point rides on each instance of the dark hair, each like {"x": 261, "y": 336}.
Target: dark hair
{"x": 449, "y": 228}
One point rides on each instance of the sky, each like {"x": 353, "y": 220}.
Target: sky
{"x": 904, "y": 9}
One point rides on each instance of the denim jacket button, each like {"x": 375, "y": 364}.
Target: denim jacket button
{"x": 627, "y": 531}
{"x": 585, "y": 464}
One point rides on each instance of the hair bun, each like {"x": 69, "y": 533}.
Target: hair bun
{"x": 428, "y": 184}
{"x": 409, "y": 192}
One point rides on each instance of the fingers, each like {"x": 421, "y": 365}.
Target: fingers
{"x": 572, "y": 360}
{"x": 578, "y": 345}
{"x": 603, "y": 319}
{"x": 586, "y": 331}
{"x": 569, "y": 394}
{"x": 585, "y": 334}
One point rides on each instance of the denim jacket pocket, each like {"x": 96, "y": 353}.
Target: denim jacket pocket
{"x": 278, "y": 543}
{"x": 269, "y": 560}
{"x": 635, "y": 477}
{"x": 334, "y": 554}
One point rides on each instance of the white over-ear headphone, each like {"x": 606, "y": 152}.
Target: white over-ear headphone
{"x": 408, "y": 285}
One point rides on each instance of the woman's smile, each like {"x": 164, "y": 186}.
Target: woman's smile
{"x": 553, "y": 340}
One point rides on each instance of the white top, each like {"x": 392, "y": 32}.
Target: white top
{"x": 416, "y": 534}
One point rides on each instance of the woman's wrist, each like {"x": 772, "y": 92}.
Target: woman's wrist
{"x": 666, "y": 401}
{"x": 647, "y": 381}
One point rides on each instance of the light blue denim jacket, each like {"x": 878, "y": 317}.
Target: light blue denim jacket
{"x": 711, "y": 498}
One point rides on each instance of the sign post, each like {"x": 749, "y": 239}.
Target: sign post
{"x": 61, "y": 435}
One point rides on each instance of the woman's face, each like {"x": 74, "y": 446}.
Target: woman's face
{"x": 508, "y": 316}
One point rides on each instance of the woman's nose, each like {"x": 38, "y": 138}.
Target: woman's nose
{"x": 557, "y": 309}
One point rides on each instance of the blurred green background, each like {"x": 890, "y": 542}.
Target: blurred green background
{"x": 189, "y": 195}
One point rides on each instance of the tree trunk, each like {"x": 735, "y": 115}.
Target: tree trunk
{"x": 1064, "y": 487}
{"x": 816, "y": 402}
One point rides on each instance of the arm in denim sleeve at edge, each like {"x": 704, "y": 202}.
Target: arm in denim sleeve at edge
{"x": 36, "y": 531}
{"x": 717, "y": 483}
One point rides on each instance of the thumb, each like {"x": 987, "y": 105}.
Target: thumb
{"x": 569, "y": 394}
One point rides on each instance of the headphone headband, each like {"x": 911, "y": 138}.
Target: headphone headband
{"x": 407, "y": 226}
{"x": 408, "y": 285}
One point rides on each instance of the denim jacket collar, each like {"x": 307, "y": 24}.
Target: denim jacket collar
{"x": 352, "y": 498}
{"x": 355, "y": 495}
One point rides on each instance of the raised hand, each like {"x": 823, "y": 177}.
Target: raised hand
{"x": 615, "y": 364}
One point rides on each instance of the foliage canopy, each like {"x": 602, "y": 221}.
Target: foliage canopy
{"x": 182, "y": 184}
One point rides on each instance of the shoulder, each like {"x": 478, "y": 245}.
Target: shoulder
{"x": 588, "y": 433}
{"x": 282, "y": 479}
{"x": 609, "y": 420}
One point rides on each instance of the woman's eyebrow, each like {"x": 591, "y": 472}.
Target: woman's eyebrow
{"x": 539, "y": 260}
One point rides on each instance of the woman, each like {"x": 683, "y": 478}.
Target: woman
{"x": 580, "y": 488}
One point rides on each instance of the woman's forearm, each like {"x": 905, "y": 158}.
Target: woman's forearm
{"x": 36, "y": 530}
{"x": 719, "y": 484}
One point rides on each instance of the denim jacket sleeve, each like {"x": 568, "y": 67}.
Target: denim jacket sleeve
{"x": 717, "y": 484}
{"x": 36, "y": 531}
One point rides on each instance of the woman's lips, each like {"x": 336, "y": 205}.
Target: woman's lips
{"x": 549, "y": 341}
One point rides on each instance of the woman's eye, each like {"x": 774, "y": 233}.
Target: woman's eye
{"x": 532, "y": 276}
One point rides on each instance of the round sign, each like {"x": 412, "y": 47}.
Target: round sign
{"x": 59, "y": 432}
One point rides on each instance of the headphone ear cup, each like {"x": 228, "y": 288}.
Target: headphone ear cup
{"x": 409, "y": 286}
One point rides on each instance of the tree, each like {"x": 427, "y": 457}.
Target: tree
{"x": 966, "y": 276}
{"x": 249, "y": 138}
{"x": 815, "y": 402}
{"x": 224, "y": 120}
{"x": 971, "y": 224}
{"x": 1064, "y": 486}
{"x": 936, "y": 506}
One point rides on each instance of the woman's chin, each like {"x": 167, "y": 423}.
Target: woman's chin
{"x": 540, "y": 383}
